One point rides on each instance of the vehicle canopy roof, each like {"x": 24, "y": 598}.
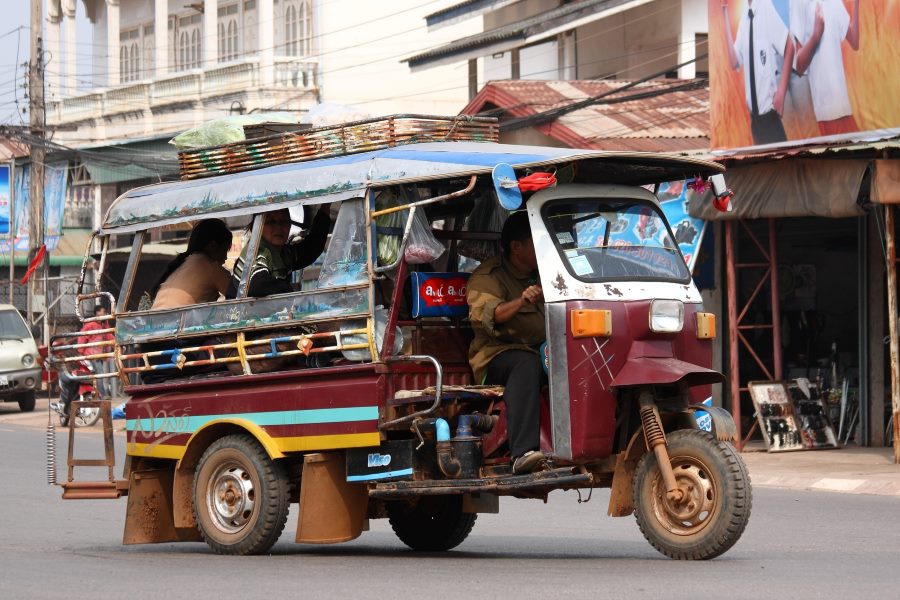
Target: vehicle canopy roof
{"x": 342, "y": 177}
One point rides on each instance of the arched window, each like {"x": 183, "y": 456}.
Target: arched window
{"x": 184, "y": 51}
{"x": 305, "y": 29}
{"x": 135, "y": 62}
{"x": 195, "y": 49}
{"x": 291, "y": 30}
{"x": 221, "y": 43}
{"x": 232, "y": 38}
{"x": 123, "y": 64}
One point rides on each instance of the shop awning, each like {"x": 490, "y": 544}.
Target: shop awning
{"x": 146, "y": 159}
{"x": 790, "y": 188}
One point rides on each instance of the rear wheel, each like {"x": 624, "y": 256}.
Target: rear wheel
{"x": 716, "y": 502}
{"x": 240, "y": 496}
{"x": 431, "y": 523}
{"x": 26, "y": 401}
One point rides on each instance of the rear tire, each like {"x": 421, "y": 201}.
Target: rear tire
{"x": 431, "y": 523}
{"x": 26, "y": 401}
{"x": 240, "y": 496}
{"x": 717, "y": 497}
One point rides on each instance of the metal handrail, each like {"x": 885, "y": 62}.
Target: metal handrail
{"x": 438, "y": 392}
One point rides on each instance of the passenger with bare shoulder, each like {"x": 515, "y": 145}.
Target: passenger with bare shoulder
{"x": 196, "y": 275}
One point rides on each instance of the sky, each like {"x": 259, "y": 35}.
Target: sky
{"x": 15, "y": 45}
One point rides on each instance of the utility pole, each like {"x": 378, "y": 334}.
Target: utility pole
{"x": 36, "y": 122}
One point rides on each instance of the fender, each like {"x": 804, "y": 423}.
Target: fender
{"x": 723, "y": 426}
{"x": 654, "y": 370}
{"x": 182, "y": 488}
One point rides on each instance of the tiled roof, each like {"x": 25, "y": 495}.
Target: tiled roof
{"x": 668, "y": 122}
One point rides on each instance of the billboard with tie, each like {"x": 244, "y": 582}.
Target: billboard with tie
{"x": 789, "y": 70}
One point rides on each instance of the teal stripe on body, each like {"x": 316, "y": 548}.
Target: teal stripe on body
{"x": 190, "y": 424}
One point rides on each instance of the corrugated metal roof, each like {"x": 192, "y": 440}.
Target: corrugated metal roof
{"x": 526, "y": 30}
{"x": 464, "y": 10}
{"x": 669, "y": 122}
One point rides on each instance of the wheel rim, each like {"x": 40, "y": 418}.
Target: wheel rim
{"x": 700, "y": 498}
{"x": 231, "y": 497}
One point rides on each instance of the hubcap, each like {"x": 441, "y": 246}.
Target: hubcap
{"x": 231, "y": 497}
{"x": 698, "y": 503}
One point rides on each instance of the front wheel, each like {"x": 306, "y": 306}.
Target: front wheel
{"x": 26, "y": 401}
{"x": 715, "y": 506}
{"x": 432, "y": 523}
{"x": 240, "y": 496}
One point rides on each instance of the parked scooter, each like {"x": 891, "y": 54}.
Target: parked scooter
{"x": 72, "y": 393}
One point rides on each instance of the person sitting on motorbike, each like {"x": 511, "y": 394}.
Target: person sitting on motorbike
{"x": 196, "y": 275}
{"x": 276, "y": 259}
{"x": 506, "y": 309}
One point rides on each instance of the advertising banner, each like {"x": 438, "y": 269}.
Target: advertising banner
{"x": 55, "y": 183}
{"x": 4, "y": 201}
{"x": 792, "y": 70}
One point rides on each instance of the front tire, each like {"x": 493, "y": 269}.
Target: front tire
{"x": 240, "y": 497}
{"x": 26, "y": 401}
{"x": 431, "y": 523}
{"x": 717, "y": 497}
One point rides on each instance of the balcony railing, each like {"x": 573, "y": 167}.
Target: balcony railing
{"x": 291, "y": 73}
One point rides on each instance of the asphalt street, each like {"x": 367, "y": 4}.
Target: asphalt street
{"x": 798, "y": 543}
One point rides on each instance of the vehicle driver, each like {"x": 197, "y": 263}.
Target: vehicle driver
{"x": 506, "y": 308}
{"x": 276, "y": 259}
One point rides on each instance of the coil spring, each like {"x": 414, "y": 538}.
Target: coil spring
{"x": 51, "y": 454}
{"x": 653, "y": 431}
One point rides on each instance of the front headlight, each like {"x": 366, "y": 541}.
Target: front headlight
{"x": 27, "y": 360}
{"x": 666, "y": 316}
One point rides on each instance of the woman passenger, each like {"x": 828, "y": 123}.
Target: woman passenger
{"x": 196, "y": 275}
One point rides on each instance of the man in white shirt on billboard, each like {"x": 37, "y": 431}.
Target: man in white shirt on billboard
{"x": 762, "y": 36}
{"x": 819, "y": 28}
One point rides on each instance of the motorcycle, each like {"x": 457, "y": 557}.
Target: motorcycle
{"x": 75, "y": 392}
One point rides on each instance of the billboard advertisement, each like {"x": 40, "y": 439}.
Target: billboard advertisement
{"x": 790, "y": 70}
{"x": 4, "y": 200}
{"x": 55, "y": 185}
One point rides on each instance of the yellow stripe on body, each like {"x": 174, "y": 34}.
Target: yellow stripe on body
{"x": 285, "y": 444}
{"x": 327, "y": 442}
{"x": 156, "y": 450}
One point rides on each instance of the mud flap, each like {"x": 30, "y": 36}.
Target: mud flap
{"x": 331, "y": 510}
{"x": 621, "y": 496}
{"x": 148, "y": 518}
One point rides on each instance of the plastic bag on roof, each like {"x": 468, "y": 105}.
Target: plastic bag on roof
{"x": 327, "y": 114}
{"x": 226, "y": 130}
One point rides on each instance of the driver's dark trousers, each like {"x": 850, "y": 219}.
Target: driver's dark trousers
{"x": 521, "y": 373}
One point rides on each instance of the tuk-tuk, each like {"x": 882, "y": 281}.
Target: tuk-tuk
{"x": 373, "y": 410}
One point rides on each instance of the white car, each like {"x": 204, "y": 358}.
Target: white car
{"x": 20, "y": 373}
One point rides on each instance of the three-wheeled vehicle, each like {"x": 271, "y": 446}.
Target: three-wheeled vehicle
{"x": 372, "y": 410}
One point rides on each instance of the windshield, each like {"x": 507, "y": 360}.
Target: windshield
{"x": 12, "y": 326}
{"x": 614, "y": 240}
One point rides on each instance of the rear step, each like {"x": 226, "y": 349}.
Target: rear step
{"x": 553, "y": 479}
{"x": 94, "y": 490}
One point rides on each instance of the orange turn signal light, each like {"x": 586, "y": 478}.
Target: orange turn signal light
{"x": 591, "y": 323}
{"x": 706, "y": 326}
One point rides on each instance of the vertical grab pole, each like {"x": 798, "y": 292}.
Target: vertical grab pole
{"x": 892, "y": 321}
{"x": 731, "y": 296}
